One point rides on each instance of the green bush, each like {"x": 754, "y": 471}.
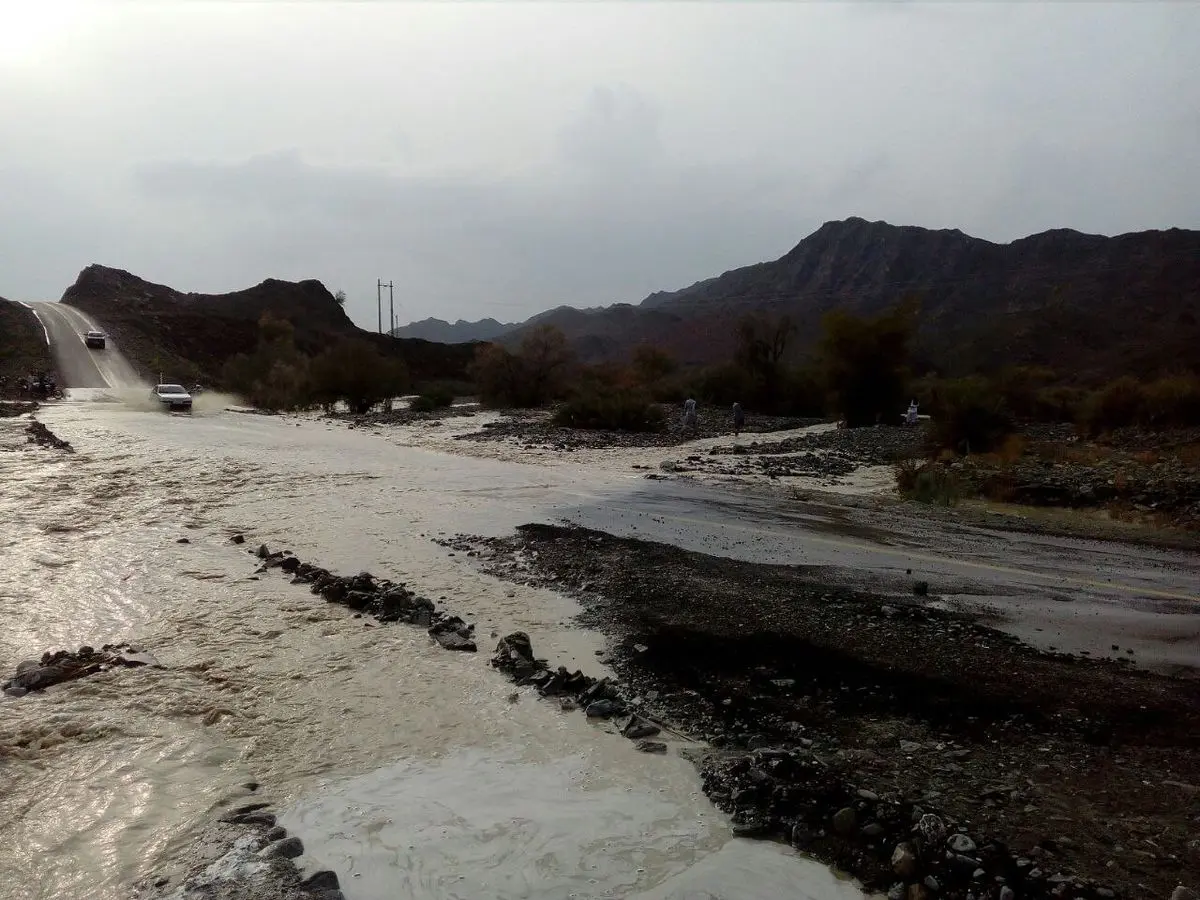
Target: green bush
{"x": 533, "y": 376}
{"x": 1058, "y": 404}
{"x": 927, "y": 483}
{"x": 433, "y": 399}
{"x": 1172, "y": 402}
{"x": 614, "y": 409}
{"x": 357, "y": 373}
{"x": 970, "y": 417}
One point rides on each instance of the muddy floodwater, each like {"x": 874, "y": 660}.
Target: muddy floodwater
{"x": 411, "y": 771}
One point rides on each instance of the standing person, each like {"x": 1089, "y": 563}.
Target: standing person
{"x": 690, "y": 419}
{"x": 911, "y": 417}
{"x": 739, "y": 419}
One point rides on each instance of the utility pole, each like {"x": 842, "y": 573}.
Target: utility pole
{"x": 392, "y": 309}
{"x": 379, "y": 301}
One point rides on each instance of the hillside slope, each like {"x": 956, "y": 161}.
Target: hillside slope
{"x": 189, "y": 336}
{"x": 23, "y": 349}
{"x": 1081, "y": 303}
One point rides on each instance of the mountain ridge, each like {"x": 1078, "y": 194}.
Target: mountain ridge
{"x": 193, "y": 335}
{"x": 1089, "y": 303}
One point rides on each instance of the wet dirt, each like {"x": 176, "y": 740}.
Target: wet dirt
{"x": 1090, "y": 767}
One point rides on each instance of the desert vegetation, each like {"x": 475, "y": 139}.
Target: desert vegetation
{"x": 277, "y": 376}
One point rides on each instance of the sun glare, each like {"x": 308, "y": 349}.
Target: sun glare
{"x": 29, "y": 27}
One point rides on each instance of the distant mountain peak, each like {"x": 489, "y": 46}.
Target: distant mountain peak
{"x": 460, "y": 332}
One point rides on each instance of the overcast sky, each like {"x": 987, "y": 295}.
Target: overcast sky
{"x": 496, "y": 159}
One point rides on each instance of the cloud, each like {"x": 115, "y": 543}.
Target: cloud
{"x": 496, "y": 159}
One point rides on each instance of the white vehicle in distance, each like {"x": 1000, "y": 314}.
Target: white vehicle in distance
{"x": 94, "y": 340}
{"x": 173, "y": 397}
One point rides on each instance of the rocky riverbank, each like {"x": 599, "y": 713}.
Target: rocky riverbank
{"x": 1148, "y": 477}
{"x": 833, "y": 454}
{"x": 42, "y": 436}
{"x": 915, "y": 748}
{"x": 60, "y": 666}
{"x": 536, "y": 430}
{"x": 245, "y": 855}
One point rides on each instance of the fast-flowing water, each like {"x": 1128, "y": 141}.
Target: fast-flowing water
{"x": 408, "y": 769}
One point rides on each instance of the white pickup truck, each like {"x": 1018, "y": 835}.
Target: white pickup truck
{"x": 173, "y": 397}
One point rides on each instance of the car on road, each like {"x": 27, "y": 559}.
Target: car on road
{"x": 173, "y": 397}
{"x": 94, "y": 340}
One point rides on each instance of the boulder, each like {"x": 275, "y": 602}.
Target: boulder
{"x": 961, "y": 843}
{"x": 844, "y": 821}
{"x": 452, "y": 640}
{"x": 603, "y": 709}
{"x": 904, "y": 861}
{"x": 288, "y": 848}
{"x": 637, "y": 728}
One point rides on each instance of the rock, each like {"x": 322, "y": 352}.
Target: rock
{"x": 263, "y": 552}
{"x": 932, "y": 884}
{"x": 961, "y": 843}
{"x": 911, "y": 747}
{"x": 637, "y": 728}
{"x": 323, "y": 880}
{"x": 932, "y": 828}
{"x": 1007, "y": 893}
{"x": 751, "y": 829}
{"x": 869, "y": 796}
{"x": 603, "y": 709}
{"x": 896, "y": 891}
{"x": 278, "y": 833}
{"x": 288, "y": 848}
{"x": 514, "y": 654}
{"x": 921, "y": 588}
{"x": 917, "y": 892}
{"x": 651, "y": 747}
{"x": 844, "y": 821}
{"x": 873, "y": 830}
{"x": 183, "y": 541}
{"x": 238, "y": 539}
{"x": 801, "y": 836}
{"x": 1183, "y": 893}
{"x": 452, "y": 640}
{"x": 289, "y": 564}
{"x": 904, "y": 860}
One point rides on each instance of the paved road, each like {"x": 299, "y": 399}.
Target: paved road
{"x": 78, "y": 366}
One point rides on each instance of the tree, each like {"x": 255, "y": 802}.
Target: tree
{"x": 762, "y": 344}
{"x": 275, "y": 375}
{"x": 546, "y": 356}
{"x": 356, "y": 372}
{"x": 865, "y": 362}
{"x": 498, "y": 375}
{"x": 652, "y": 364}
{"x": 534, "y": 375}
{"x": 340, "y": 297}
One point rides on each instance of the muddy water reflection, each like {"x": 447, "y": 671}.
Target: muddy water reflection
{"x": 108, "y": 779}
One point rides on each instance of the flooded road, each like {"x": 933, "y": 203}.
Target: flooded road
{"x": 408, "y": 769}
{"x": 355, "y": 729}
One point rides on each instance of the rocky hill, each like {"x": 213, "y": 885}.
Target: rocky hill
{"x": 23, "y": 347}
{"x": 460, "y": 332}
{"x": 1080, "y": 303}
{"x": 190, "y": 336}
